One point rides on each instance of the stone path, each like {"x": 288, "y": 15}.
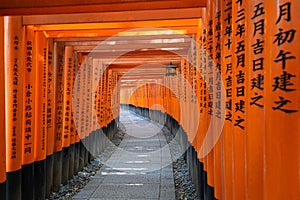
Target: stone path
{"x": 140, "y": 168}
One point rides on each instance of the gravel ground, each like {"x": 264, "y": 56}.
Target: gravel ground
{"x": 184, "y": 187}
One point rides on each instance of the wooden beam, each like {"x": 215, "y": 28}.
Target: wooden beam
{"x": 128, "y": 25}
{"x": 113, "y": 32}
{"x": 42, "y": 3}
{"x": 135, "y": 71}
{"x": 132, "y": 47}
{"x": 34, "y": 7}
{"x": 143, "y": 64}
{"x": 144, "y": 77}
{"x": 137, "y": 41}
{"x": 122, "y": 38}
{"x": 104, "y": 17}
{"x": 150, "y": 54}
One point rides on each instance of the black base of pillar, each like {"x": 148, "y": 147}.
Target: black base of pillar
{"x": 76, "y": 158}
{"x": 27, "y": 180}
{"x": 49, "y": 175}
{"x": 86, "y": 152}
{"x": 81, "y": 156}
{"x": 14, "y": 185}
{"x": 98, "y": 143}
{"x": 40, "y": 179}
{"x": 92, "y": 144}
{"x": 57, "y": 170}
{"x": 201, "y": 180}
{"x": 65, "y": 165}
{"x": 3, "y": 190}
{"x": 71, "y": 160}
{"x": 211, "y": 192}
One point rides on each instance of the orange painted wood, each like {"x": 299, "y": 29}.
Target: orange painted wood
{"x": 67, "y": 85}
{"x": 28, "y": 9}
{"x": 239, "y": 98}
{"x": 129, "y": 18}
{"x": 95, "y": 95}
{"x": 204, "y": 120}
{"x": 200, "y": 85}
{"x": 255, "y": 98}
{"x": 217, "y": 99}
{"x": 136, "y": 38}
{"x": 113, "y": 32}
{"x": 13, "y": 54}
{"x": 89, "y": 92}
{"x": 209, "y": 83}
{"x": 226, "y": 72}
{"x": 76, "y": 98}
{"x": 72, "y": 124}
{"x": 100, "y": 86}
{"x": 41, "y": 62}
{"x": 59, "y": 98}
{"x": 29, "y": 88}
{"x": 282, "y": 97}
{"x": 2, "y": 105}
{"x": 50, "y": 99}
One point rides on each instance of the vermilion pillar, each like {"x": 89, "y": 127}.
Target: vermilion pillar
{"x": 50, "y": 116}
{"x": 58, "y": 62}
{"x": 40, "y": 140}
{"x": 255, "y": 53}
{"x": 29, "y": 88}
{"x": 13, "y": 58}
{"x": 2, "y": 115}
{"x": 282, "y": 97}
{"x": 227, "y": 78}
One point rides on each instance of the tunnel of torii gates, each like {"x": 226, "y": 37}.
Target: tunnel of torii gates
{"x": 66, "y": 68}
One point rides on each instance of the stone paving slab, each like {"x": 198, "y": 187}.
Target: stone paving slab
{"x": 134, "y": 191}
{"x": 133, "y": 179}
{"x": 139, "y": 169}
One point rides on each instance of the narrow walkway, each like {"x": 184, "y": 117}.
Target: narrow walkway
{"x": 140, "y": 168}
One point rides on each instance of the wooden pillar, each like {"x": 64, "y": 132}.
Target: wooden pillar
{"x": 88, "y": 119}
{"x": 200, "y": 90}
{"x": 41, "y": 62}
{"x": 239, "y": 96}
{"x": 50, "y": 117}
{"x": 84, "y": 112}
{"x": 2, "y": 115}
{"x": 76, "y": 112}
{"x": 282, "y": 97}
{"x": 80, "y": 120}
{"x": 67, "y": 85}
{"x": 100, "y": 105}
{"x": 72, "y": 128}
{"x": 210, "y": 94}
{"x": 218, "y": 104}
{"x": 58, "y": 62}
{"x": 227, "y": 77}
{"x": 74, "y": 139}
{"x": 255, "y": 54}
{"x": 13, "y": 57}
{"x": 29, "y": 89}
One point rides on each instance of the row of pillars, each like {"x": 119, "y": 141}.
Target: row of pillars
{"x": 57, "y": 111}
{"x": 237, "y": 98}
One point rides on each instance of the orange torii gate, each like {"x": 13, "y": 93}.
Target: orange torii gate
{"x": 234, "y": 101}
